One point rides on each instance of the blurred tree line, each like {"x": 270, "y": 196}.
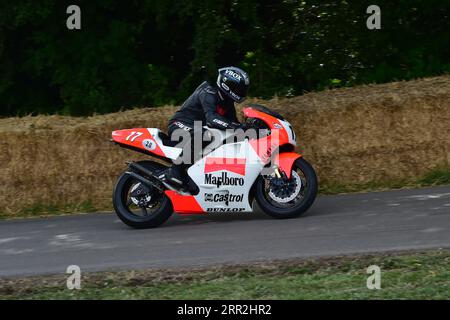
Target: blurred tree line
{"x": 151, "y": 52}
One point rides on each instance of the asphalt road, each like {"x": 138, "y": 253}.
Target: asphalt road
{"x": 343, "y": 224}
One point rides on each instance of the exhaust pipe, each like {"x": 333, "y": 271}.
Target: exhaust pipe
{"x": 145, "y": 181}
{"x": 145, "y": 171}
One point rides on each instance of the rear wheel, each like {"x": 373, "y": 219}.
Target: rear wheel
{"x": 284, "y": 198}
{"x": 140, "y": 206}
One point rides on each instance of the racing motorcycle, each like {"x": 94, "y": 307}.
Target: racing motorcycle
{"x": 229, "y": 178}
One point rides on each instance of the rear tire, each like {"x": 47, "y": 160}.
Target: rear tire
{"x": 121, "y": 202}
{"x": 297, "y": 206}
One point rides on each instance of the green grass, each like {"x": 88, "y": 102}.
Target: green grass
{"x": 438, "y": 176}
{"x": 42, "y": 210}
{"x": 424, "y": 275}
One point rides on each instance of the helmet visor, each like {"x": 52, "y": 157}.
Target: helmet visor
{"x": 238, "y": 90}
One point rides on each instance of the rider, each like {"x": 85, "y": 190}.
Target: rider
{"x": 213, "y": 105}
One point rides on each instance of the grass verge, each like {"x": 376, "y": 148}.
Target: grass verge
{"x": 47, "y": 210}
{"x": 435, "y": 177}
{"x": 407, "y": 275}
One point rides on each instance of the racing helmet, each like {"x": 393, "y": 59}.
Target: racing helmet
{"x": 233, "y": 82}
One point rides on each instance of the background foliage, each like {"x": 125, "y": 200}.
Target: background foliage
{"x": 151, "y": 52}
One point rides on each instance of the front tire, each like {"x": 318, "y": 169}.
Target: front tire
{"x": 303, "y": 191}
{"x": 151, "y": 209}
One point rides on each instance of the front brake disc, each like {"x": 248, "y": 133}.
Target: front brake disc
{"x": 290, "y": 192}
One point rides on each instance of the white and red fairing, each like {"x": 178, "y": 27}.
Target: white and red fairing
{"x": 226, "y": 175}
{"x": 146, "y": 140}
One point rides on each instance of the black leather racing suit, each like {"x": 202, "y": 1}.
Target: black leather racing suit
{"x": 208, "y": 106}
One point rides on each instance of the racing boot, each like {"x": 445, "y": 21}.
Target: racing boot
{"x": 175, "y": 176}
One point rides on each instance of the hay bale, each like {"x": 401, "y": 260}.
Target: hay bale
{"x": 363, "y": 134}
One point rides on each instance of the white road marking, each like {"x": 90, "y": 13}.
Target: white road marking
{"x": 64, "y": 239}
{"x": 429, "y": 230}
{"x": 15, "y": 251}
{"x": 6, "y": 240}
{"x": 428, "y": 196}
{"x": 74, "y": 241}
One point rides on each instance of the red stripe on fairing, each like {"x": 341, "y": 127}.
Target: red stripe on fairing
{"x": 236, "y": 165}
{"x": 183, "y": 204}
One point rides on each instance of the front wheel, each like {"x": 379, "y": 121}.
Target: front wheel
{"x": 284, "y": 198}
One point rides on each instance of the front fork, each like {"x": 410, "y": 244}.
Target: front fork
{"x": 276, "y": 171}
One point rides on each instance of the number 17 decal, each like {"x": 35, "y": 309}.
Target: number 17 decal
{"x": 134, "y": 135}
